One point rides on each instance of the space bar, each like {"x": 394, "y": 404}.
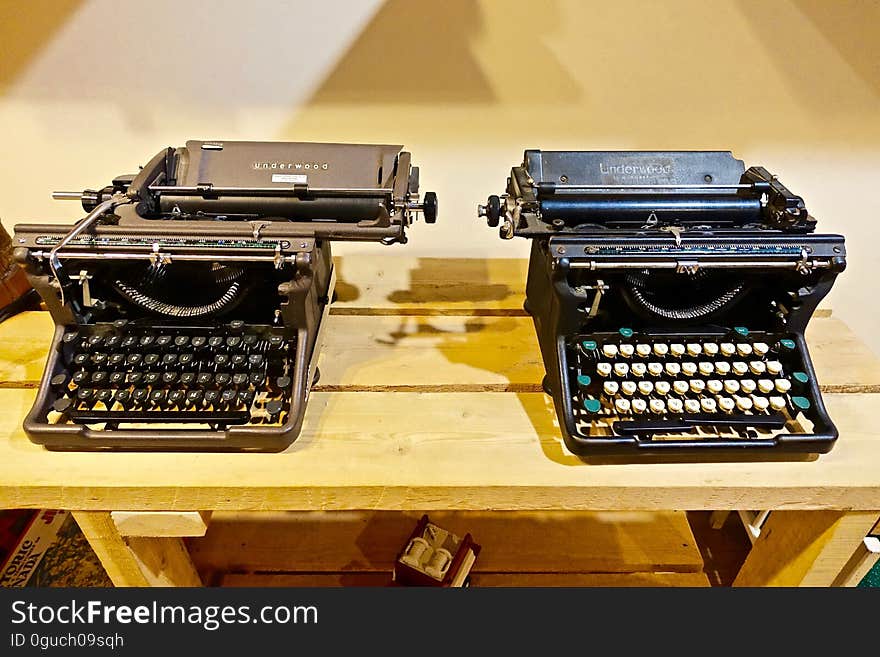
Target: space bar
{"x": 688, "y": 422}
{"x": 206, "y": 417}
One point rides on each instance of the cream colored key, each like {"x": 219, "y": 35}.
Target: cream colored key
{"x": 740, "y": 368}
{"x": 760, "y": 403}
{"x": 747, "y": 386}
{"x": 655, "y": 369}
{"x": 639, "y": 405}
{"x": 774, "y": 367}
{"x": 694, "y": 349}
{"x": 646, "y": 387}
{"x": 714, "y": 386}
{"x": 782, "y": 385}
{"x": 657, "y": 406}
{"x": 628, "y": 387}
{"x": 689, "y": 369}
{"x": 744, "y": 403}
{"x": 726, "y": 404}
{"x": 675, "y": 405}
{"x": 728, "y": 349}
{"x": 610, "y": 350}
{"x": 627, "y": 350}
{"x": 706, "y": 368}
{"x": 676, "y": 349}
{"x": 708, "y": 405}
{"x": 744, "y": 349}
{"x": 722, "y": 367}
{"x": 638, "y": 369}
{"x": 681, "y": 387}
{"x": 604, "y": 369}
{"x": 692, "y": 405}
{"x": 765, "y": 385}
{"x": 758, "y": 366}
{"x": 673, "y": 369}
{"x": 643, "y": 350}
{"x": 611, "y": 388}
{"x": 761, "y": 348}
{"x": 710, "y": 349}
{"x": 778, "y": 403}
{"x": 731, "y": 386}
{"x": 697, "y": 385}
{"x": 622, "y": 405}
{"x": 661, "y": 349}
{"x": 662, "y": 387}
{"x": 621, "y": 369}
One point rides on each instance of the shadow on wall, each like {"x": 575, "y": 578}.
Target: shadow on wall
{"x": 421, "y": 52}
{"x": 25, "y": 29}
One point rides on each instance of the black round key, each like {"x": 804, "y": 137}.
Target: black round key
{"x": 249, "y": 340}
{"x": 117, "y": 378}
{"x": 163, "y": 340}
{"x": 204, "y": 378}
{"x": 151, "y": 378}
{"x": 239, "y": 379}
{"x": 99, "y": 358}
{"x": 187, "y": 378}
{"x": 257, "y": 379}
{"x": 59, "y": 380}
{"x": 85, "y": 394}
{"x": 212, "y": 397}
{"x": 222, "y": 378}
{"x": 176, "y": 397}
{"x": 95, "y": 340}
{"x": 80, "y": 359}
{"x": 198, "y": 341}
{"x": 129, "y": 341}
{"x": 123, "y": 397}
{"x": 169, "y": 359}
{"x": 116, "y": 359}
{"x": 63, "y": 404}
{"x": 233, "y": 341}
{"x": 194, "y": 397}
{"x": 274, "y": 407}
{"x": 104, "y": 395}
{"x": 112, "y": 341}
{"x": 134, "y": 359}
{"x": 245, "y": 397}
{"x": 70, "y": 336}
{"x": 238, "y": 360}
{"x": 186, "y": 359}
{"x": 228, "y": 395}
{"x": 135, "y": 378}
{"x": 120, "y": 323}
{"x": 255, "y": 359}
{"x": 80, "y": 377}
{"x": 139, "y": 396}
{"x": 181, "y": 340}
{"x": 236, "y": 324}
{"x": 215, "y": 341}
{"x": 157, "y": 397}
{"x": 283, "y": 382}
{"x": 275, "y": 341}
{"x": 169, "y": 377}
{"x": 99, "y": 377}
{"x": 147, "y": 340}
{"x": 221, "y": 360}
{"x": 151, "y": 359}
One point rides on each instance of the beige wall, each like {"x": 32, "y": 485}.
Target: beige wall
{"x": 91, "y": 88}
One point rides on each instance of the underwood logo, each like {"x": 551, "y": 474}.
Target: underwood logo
{"x": 635, "y": 169}
{"x": 293, "y": 166}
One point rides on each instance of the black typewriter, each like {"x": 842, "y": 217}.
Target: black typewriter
{"x": 188, "y": 303}
{"x": 670, "y": 292}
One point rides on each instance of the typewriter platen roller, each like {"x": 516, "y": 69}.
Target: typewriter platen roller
{"x": 189, "y": 301}
{"x": 670, "y": 292}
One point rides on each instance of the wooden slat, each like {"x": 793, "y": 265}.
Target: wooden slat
{"x": 161, "y": 523}
{"x": 566, "y": 541}
{"x": 477, "y": 580}
{"x": 413, "y": 451}
{"x": 443, "y": 353}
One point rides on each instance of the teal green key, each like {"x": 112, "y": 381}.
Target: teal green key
{"x": 589, "y": 345}
{"x": 801, "y": 377}
{"x": 801, "y": 402}
{"x": 742, "y": 330}
{"x": 626, "y": 332}
{"x": 788, "y": 344}
{"x": 592, "y": 405}
{"x": 583, "y": 380}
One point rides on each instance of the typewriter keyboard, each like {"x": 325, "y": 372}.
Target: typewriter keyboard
{"x": 650, "y": 385}
{"x": 123, "y": 373}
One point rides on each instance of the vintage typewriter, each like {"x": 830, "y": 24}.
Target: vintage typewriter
{"x": 189, "y": 301}
{"x": 670, "y": 292}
